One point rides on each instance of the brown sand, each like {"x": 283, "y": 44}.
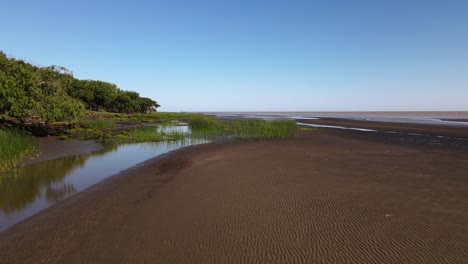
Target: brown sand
{"x": 321, "y": 197}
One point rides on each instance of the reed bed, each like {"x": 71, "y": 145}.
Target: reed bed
{"x": 148, "y": 134}
{"x": 209, "y": 127}
{"x": 14, "y": 146}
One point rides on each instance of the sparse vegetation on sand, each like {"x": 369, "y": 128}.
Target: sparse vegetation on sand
{"x": 97, "y": 124}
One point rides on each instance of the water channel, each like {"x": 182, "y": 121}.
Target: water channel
{"x": 29, "y": 189}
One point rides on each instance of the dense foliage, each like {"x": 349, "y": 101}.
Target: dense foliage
{"x": 52, "y": 93}
{"x": 30, "y": 91}
{"x": 99, "y": 95}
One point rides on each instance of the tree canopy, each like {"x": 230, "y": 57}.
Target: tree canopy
{"x": 53, "y": 94}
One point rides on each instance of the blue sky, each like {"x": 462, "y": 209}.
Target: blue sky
{"x": 255, "y": 55}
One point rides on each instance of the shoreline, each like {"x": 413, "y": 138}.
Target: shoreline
{"x": 423, "y": 129}
{"x": 172, "y": 206}
{"x": 450, "y": 119}
{"x": 419, "y": 135}
{"x": 50, "y": 148}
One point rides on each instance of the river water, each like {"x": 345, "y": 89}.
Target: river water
{"x": 29, "y": 189}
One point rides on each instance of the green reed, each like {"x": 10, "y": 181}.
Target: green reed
{"x": 14, "y": 146}
{"x": 146, "y": 134}
{"x": 209, "y": 127}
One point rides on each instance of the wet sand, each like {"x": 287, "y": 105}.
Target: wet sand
{"x": 321, "y": 197}
{"x": 50, "y": 148}
{"x": 426, "y": 129}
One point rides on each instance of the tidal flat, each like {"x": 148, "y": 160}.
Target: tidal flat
{"x": 318, "y": 196}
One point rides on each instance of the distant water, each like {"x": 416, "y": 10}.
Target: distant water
{"x": 459, "y": 118}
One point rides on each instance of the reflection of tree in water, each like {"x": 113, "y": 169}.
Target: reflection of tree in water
{"x": 57, "y": 193}
{"x": 22, "y": 186}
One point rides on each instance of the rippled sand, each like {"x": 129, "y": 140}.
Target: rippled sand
{"x": 322, "y": 197}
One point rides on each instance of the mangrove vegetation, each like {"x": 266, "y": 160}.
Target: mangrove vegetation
{"x": 53, "y": 94}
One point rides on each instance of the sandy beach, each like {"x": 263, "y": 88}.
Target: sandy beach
{"x": 322, "y": 197}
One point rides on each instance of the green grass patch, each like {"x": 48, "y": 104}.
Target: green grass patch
{"x": 210, "y": 127}
{"x": 157, "y": 117}
{"x": 97, "y": 124}
{"x": 171, "y": 115}
{"x": 89, "y": 129}
{"x": 147, "y": 134}
{"x": 14, "y": 146}
{"x": 83, "y": 133}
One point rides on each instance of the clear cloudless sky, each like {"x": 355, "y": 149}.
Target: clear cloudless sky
{"x": 255, "y": 55}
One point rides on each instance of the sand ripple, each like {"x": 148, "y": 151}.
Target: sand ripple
{"x": 319, "y": 198}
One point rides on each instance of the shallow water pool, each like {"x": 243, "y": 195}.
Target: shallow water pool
{"x": 32, "y": 188}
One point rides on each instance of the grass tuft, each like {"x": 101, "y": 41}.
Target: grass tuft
{"x": 209, "y": 127}
{"x": 14, "y": 146}
{"x": 146, "y": 134}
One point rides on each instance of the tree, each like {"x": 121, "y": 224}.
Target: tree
{"x": 52, "y": 93}
{"x": 124, "y": 103}
{"x": 31, "y": 91}
{"x": 147, "y": 105}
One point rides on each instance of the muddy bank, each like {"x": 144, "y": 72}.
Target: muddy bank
{"x": 455, "y": 119}
{"x": 442, "y": 137}
{"x": 322, "y": 197}
{"x": 50, "y": 148}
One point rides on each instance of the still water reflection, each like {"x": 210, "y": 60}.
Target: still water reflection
{"x": 27, "y": 190}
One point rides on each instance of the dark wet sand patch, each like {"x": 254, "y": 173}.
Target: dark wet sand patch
{"x": 50, "y": 148}
{"x": 426, "y": 129}
{"x": 455, "y": 119}
{"x": 322, "y": 197}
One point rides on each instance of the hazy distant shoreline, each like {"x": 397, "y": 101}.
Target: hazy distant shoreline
{"x": 428, "y": 114}
{"x": 448, "y": 118}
